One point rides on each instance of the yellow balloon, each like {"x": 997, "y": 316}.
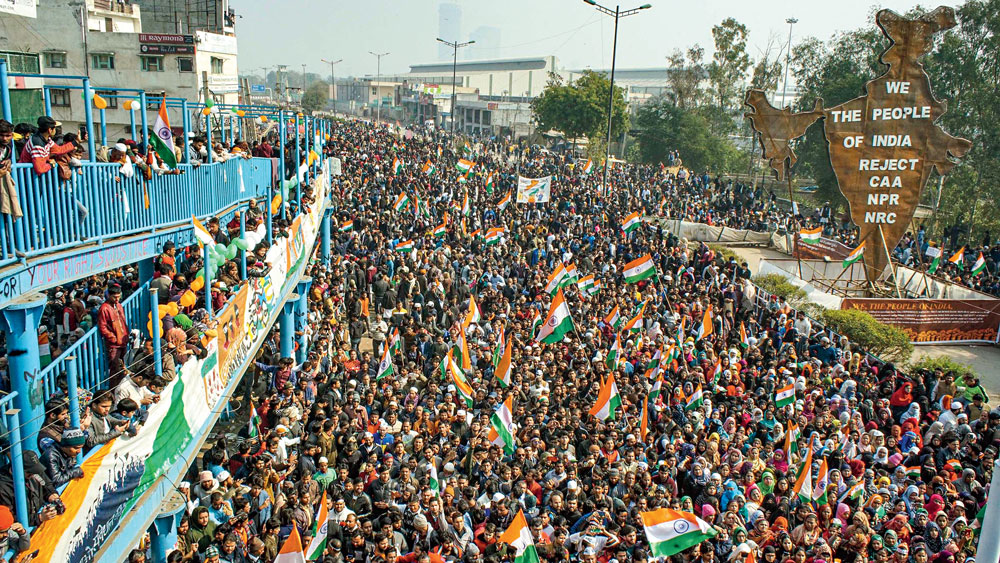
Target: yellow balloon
{"x": 198, "y": 283}
{"x": 206, "y": 111}
{"x": 263, "y": 119}
{"x": 276, "y": 204}
{"x": 172, "y": 308}
{"x": 149, "y": 327}
{"x": 240, "y": 113}
{"x": 188, "y": 299}
{"x": 99, "y": 102}
{"x": 161, "y": 311}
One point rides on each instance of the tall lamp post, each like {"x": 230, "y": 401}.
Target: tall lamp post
{"x": 788, "y": 57}
{"x": 303, "y": 84}
{"x": 455, "y": 45}
{"x": 378, "y": 84}
{"x": 617, "y": 13}
{"x": 333, "y": 82}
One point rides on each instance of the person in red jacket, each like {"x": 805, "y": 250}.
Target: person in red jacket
{"x": 114, "y": 329}
{"x": 40, "y": 148}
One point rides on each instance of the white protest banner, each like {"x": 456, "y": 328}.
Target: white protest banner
{"x": 534, "y": 190}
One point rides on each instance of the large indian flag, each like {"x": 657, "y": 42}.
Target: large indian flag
{"x": 162, "y": 138}
{"x": 458, "y": 379}
{"x": 502, "y": 427}
{"x": 811, "y": 236}
{"x": 505, "y": 369}
{"x": 607, "y": 400}
{"x": 557, "y": 323}
{"x": 803, "y": 483}
{"x": 318, "y": 544}
{"x": 518, "y": 536}
{"x": 385, "y": 365}
{"x": 855, "y": 255}
{"x": 784, "y": 396}
{"x": 640, "y": 269}
{"x": 632, "y": 222}
{"x": 555, "y": 279}
{"x": 464, "y": 165}
{"x": 291, "y": 551}
{"x": 473, "y": 315}
{"x": 671, "y": 531}
{"x": 201, "y": 233}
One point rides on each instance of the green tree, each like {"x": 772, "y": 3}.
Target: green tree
{"x": 730, "y": 63}
{"x": 685, "y": 72}
{"x": 580, "y": 109}
{"x": 664, "y": 126}
{"x": 315, "y": 96}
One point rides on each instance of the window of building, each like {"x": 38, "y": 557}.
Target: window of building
{"x": 59, "y": 97}
{"x": 102, "y": 61}
{"x": 55, "y": 59}
{"x": 216, "y": 65}
{"x": 109, "y": 97}
{"x": 185, "y": 64}
{"x": 109, "y": 24}
{"x": 20, "y": 62}
{"x": 151, "y": 63}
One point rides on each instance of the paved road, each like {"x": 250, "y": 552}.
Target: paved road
{"x": 984, "y": 359}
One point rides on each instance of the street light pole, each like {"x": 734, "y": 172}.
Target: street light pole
{"x": 333, "y": 82}
{"x": 303, "y": 84}
{"x": 454, "y": 73}
{"x": 617, "y": 13}
{"x": 788, "y": 57}
{"x": 378, "y": 85}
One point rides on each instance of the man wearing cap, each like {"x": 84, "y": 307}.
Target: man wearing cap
{"x": 40, "y": 147}
{"x": 60, "y": 460}
{"x": 114, "y": 329}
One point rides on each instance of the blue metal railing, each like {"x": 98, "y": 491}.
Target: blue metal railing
{"x": 88, "y": 352}
{"x": 98, "y": 203}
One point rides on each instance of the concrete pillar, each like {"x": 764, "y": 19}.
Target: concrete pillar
{"x": 324, "y": 240}
{"x": 163, "y": 532}
{"x": 286, "y": 327}
{"x": 19, "y": 322}
{"x": 302, "y": 317}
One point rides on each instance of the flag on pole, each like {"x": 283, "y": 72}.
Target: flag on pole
{"x": 465, "y": 391}
{"x": 401, "y": 201}
{"x": 428, "y": 168}
{"x": 588, "y": 167}
{"x": 347, "y": 226}
{"x": 536, "y": 322}
{"x": 466, "y": 208}
{"x": 958, "y": 258}
{"x": 822, "y": 484}
{"x": 201, "y": 233}
{"x": 504, "y": 201}
{"x": 979, "y": 266}
{"x": 643, "y": 424}
{"x": 744, "y": 339}
{"x": 803, "y": 482}
{"x": 319, "y": 533}
{"x": 555, "y": 279}
{"x": 784, "y": 396}
{"x": 432, "y": 478}
{"x": 586, "y": 284}
{"x": 639, "y": 269}
{"x": 707, "y": 325}
{"x": 490, "y": 183}
{"x": 614, "y": 318}
{"x": 695, "y": 400}
{"x": 504, "y": 368}
{"x": 934, "y": 254}
{"x": 493, "y": 236}
{"x": 614, "y": 354}
{"x": 472, "y": 315}
{"x": 855, "y": 255}
{"x": 655, "y": 390}
{"x": 440, "y": 231}
{"x": 557, "y": 323}
{"x": 397, "y": 166}
{"x": 671, "y": 531}
{"x": 291, "y": 550}
{"x": 404, "y": 246}
{"x": 634, "y": 324}
{"x": 855, "y": 492}
{"x": 385, "y": 365}
{"x": 572, "y": 276}
{"x": 811, "y": 236}
{"x": 502, "y": 427}
{"x": 607, "y": 400}
{"x": 254, "y": 428}
{"x": 518, "y": 536}
{"x": 395, "y": 342}
{"x": 464, "y": 165}
{"x": 791, "y": 439}
{"x": 162, "y": 138}
{"x": 632, "y": 222}
{"x": 716, "y": 373}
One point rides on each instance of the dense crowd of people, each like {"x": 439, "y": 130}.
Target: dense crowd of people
{"x": 726, "y": 401}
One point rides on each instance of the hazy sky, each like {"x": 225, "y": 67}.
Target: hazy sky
{"x": 296, "y": 32}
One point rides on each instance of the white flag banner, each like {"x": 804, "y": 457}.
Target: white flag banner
{"x": 534, "y": 190}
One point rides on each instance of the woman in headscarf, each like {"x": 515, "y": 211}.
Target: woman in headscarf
{"x": 779, "y": 461}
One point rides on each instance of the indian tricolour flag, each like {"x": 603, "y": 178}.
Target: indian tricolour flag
{"x": 472, "y": 315}
{"x": 803, "y": 482}
{"x": 493, "y": 236}
{"x": 504, "y": 201}
{"x": 505, "y": 368}
{"x": 254, "y": 426}
{"x": 502, "y": 427}
{"x": 395, "y": 342}
{"x": 401, "y": 201}
{"x": 784, "y": 396}
{"x": 428, "y": 168}
{"x": 404, "y": 246}
{"x": 347, "y": 226}
{"x": 979, "y": 266}
{"x": 202, "y": 234}
{"x": 555, "y": 279}
{"x": 958, "y": 258}
{"x": 639, "y": 269}
{"x": 855, "y": 255}
{"x": 913, "y": 472}
{"x": 397, "y": 166}
{"x": 458, "y": 379}
{"x": 589, "y": 167}
{"x": 464, "y": 165}
{"x": 536, "y": 322}
{"x": 632, "y": 222}
{"x": 695, "y": 400}
{"x": 518, "y": 536}
{"x": 291, "y": 551}
{"x": 707, "y": 324}
{"x": 162, "y": 138}
{"x": 811, "y": 236}
{"x": 614, "y": 318}
{"x": 318, "y": 544}
{"x": 614, "y": 354}
{"x": 791, "y": 439}
{"x": 385, "y": 366}
{"x": 607, "y": 400}
{"x": 716, "y": 374}
{"x": 672, "y": 531}
{"x": 934, "y": 253}
{"x": 432, "y": 478}
{"x": 557, "y": 323}
{"x": 634, "y": 324}
{"x": 490, "y": 182}
{"x": 822, "y": 483}
{"x": 585, "y": 284}
{"x": 440, "y": 231}
{"x": 744, "y": 339}
{"x": 855, "y": 492}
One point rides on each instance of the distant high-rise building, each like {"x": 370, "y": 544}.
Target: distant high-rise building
{"x": 487, "y": 45}
{"x": 449, "y": 27}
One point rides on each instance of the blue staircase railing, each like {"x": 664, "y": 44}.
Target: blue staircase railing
{"x": 111, "y": 205}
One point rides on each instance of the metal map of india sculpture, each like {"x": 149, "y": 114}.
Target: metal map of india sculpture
{"x": 884, "y": 143}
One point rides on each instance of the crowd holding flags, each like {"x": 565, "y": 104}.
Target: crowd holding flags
{"x": 607, "y": 400}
